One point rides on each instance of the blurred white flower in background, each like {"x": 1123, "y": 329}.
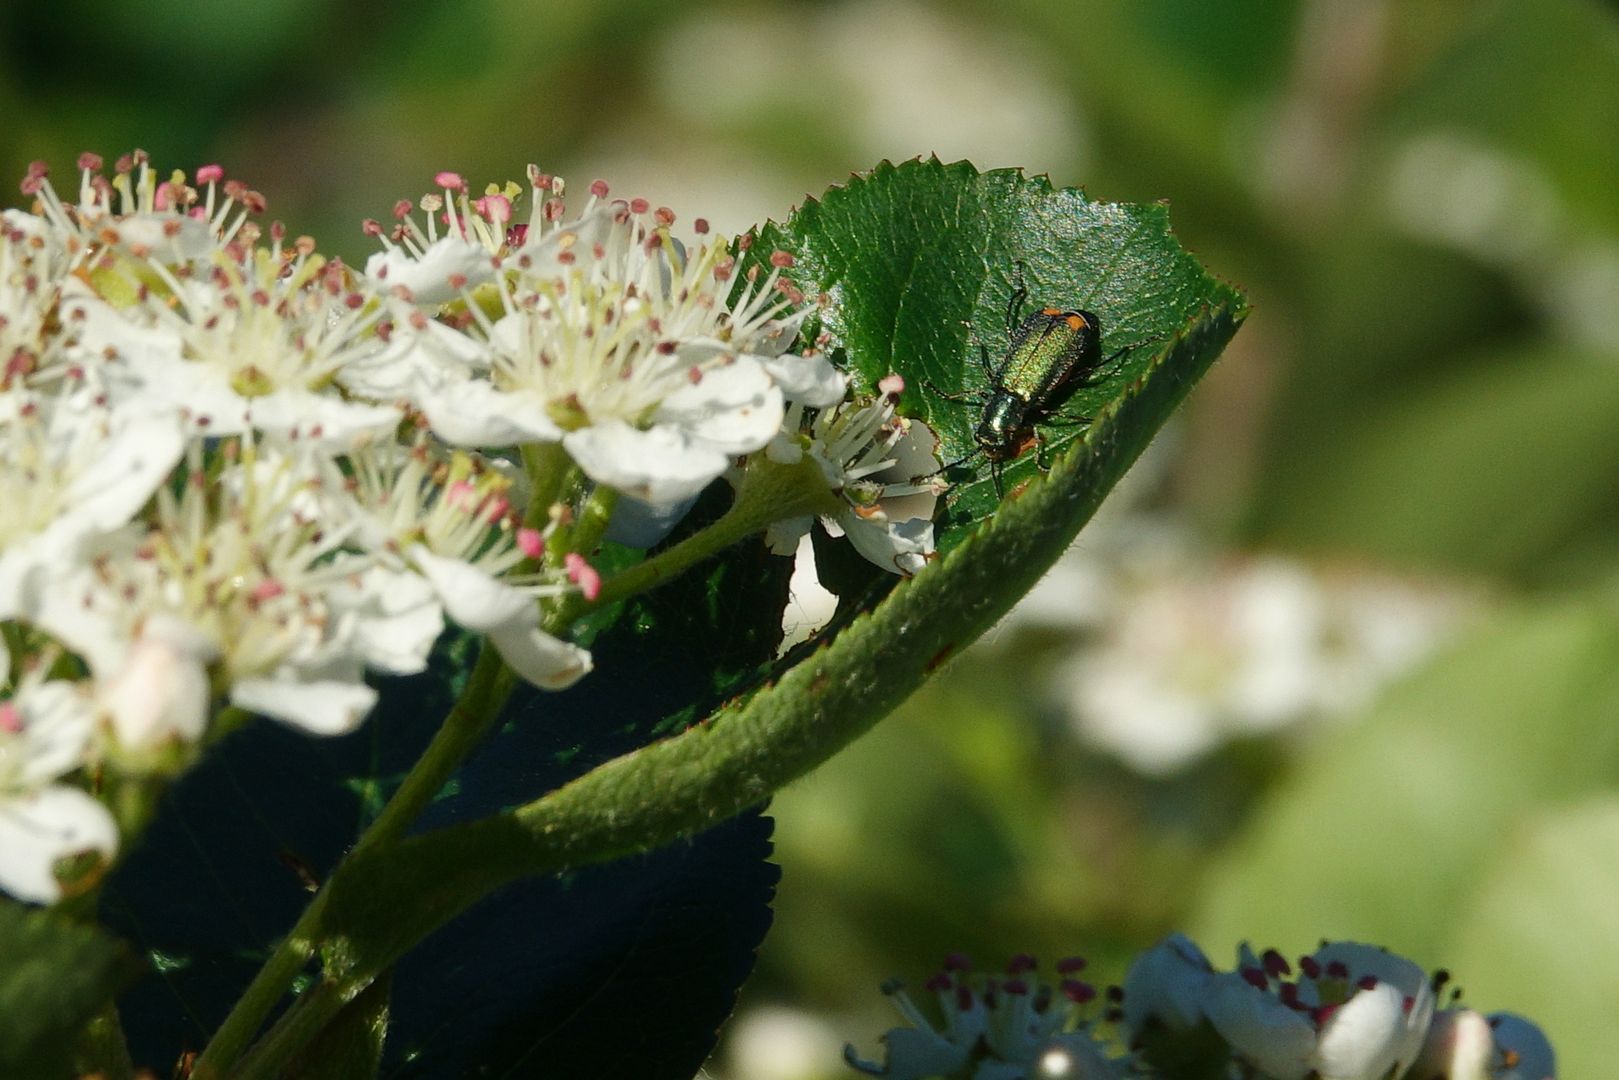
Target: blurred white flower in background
{"x": 892, "y": 79}
{"x": 1187, "y": 651}
{"x": 1505, "y": 210}
{"x": 778, "y": 1043}
{"x": 1467, "y": 1045}
{"x": 1354, "y": 1012}
{"x": 1178, "y": 647}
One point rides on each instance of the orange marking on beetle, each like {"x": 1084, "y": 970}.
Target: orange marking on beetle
{"x": 1075, "y": 321}
{"x": 1051, "y": 311}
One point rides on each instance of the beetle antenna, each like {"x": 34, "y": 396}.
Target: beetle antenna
{"x": 946, "y": 468}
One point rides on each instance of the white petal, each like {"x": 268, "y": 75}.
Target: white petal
{"x": 1458, "y": 1047}
{"x": 916, "y": 453}
{"x": 540, "y": 658}
{"x": 54, "y": 598}
{"x": 913, "y": 1055}
{"x": 471, "y": 412}
{"x": 1363, "y": 960}
{"x": 660, "y": 465}
{"x": 776, "y": 336}
{"x": 38, "y": 830}
{"x": 809, "y": 380}
{"x": 1167, "y": 983}
{"x": 321, "y": 418}
{"x": 542, "y": 256}
{"x": 137, "y": 457}
{"x": 900, "y": 547}
{"x": 1260, "y": 1029}
{"x": 473, "y": 598}
{"x": 396, "y": 618}
{"x": 1363, "y": 1037}
{"x": 641, "y": 524}
{"x": 60, "y": 721}
{"x": 414, "y": 359}
{"x": 782, "y": 536}
{"x": 161, "y": 691}
{"x": 318, "y": 706}
{"x": 736, "y": 408}
{"x": 106, "y": 330}
{"x": 177, "y": 236}
{"x": 428, "y": 277}
{"x": 1407, "y": 981}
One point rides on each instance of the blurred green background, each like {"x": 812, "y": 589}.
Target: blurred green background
{"x": 1344, "y": 659}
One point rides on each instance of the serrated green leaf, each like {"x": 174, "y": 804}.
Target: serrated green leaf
{"x": 55, "y": 975}
{"x": 958, "y": 219}
{"x": 919, "y": 261}
{"x": 1386, "y": 827}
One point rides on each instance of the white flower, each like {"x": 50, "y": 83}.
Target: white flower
{"x": 255, "y": 341}
{"x": 625, "y": 346}
{"x": 45, "y": 731}
{"x": 238, "y": 557}
{"x": 69, "y": 471}
{"x": 1466, "y": 1045}
{"x": 1356, "y": 1012}
{"x": 426, "y": 268}
{"x": 872, "y": 458}
{"x": 452, "y": 522}
{"x": 1167, "y": 985}
{"x": 509, "y": 616}
{"x": 161, "y": 693}
{"x": 1187, "y": 653}
{"x": 35, "y": 343}
{"x": 1005, "y": 1026}
{"x": 778, "y": 1043}
{"x": 136, "y": 215}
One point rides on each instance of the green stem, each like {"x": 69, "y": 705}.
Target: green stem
{"x": 549, "y": 468}
{"x": 770, "y": 493}
{"x": 391, "y": 898}
{"x": 586, "y": 531}
{"x": 314, "y": 1009}
{"x": 469, "y": 720}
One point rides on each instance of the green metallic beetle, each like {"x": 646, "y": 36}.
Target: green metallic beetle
{"x": 1052, "y": 353}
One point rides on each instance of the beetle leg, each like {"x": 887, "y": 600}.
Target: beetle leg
{"x": 1040, "y": 447}
{"x": 1014, "y": 305}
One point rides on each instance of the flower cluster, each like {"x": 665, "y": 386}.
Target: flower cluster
{"x": 1347, "y": 1012}
{"x": 1344, "y": 1012}
{"x": 240, "y": 475}
{"x": 1012, "y": 1026}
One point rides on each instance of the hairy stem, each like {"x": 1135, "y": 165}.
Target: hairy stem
{"x": 468, "y": 721}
